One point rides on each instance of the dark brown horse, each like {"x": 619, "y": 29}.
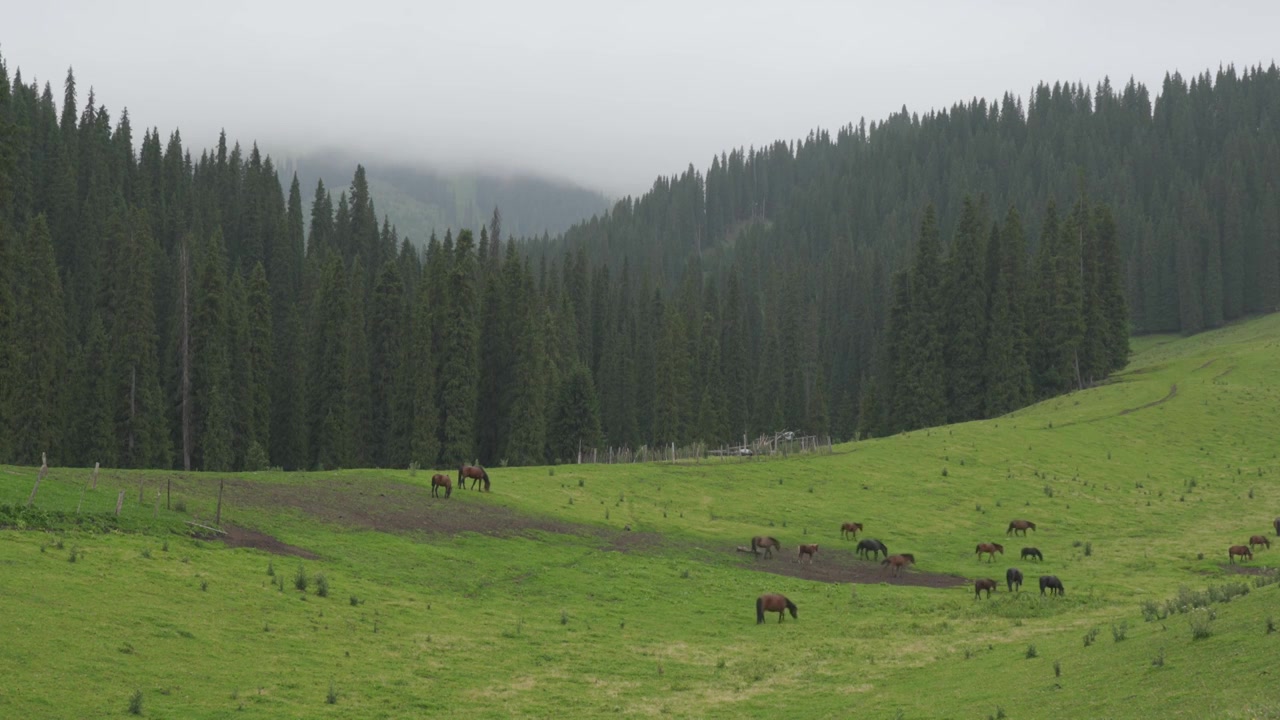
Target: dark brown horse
{"x": 980, "y": 585}
{"x": 766, "y": 543}
{"x": 1242, "y": 550}
{"x": 897, "y": 562}
{"x": 1013, "y": 576}
{"x": 1031, "y": 552}
{"x": 1017, "y": 525}
{"x": 850, "y": 528}
{"x": 809, "y": 550}
{"x": 772, "y": 602}
{"x": 1260, "y": 540}
{"x": 441, "y": 481}
{"x": 1052, "y": 583}
{"x": 477, "y": 475}
{"x": 990, "y": 549}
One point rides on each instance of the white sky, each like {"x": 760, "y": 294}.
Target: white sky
{"x": 607, "y": 94}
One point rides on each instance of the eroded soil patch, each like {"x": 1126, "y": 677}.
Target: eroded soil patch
{"x": 244, "y": 537}
{"x": 835, "y": 565}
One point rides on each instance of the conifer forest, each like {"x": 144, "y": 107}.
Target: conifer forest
{"x": 168, "y": 305}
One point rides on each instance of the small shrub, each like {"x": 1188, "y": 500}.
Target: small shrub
{"x": 1031, "y": 652}
{"x": 552, "y": 472}
{"x": 570, "y": 499}
{"x": 1118, "y": 632}
{"x": 1048, "y": 491}
{"x": 564, "y": 617}
{"x": 606, "y": 514}
{"x": 204, "y": 586}
{"x": 332, "y": 696}
{"x": 300, "y": 579}
{"x": 354, "y": 601}
{"x": 1271, "y": 625}
{"x": 1057, "y": 668}
{"x": 1199, "y": 556}
{"x": 581, "y": 482}
{"x": 413, "y": 468}
{"x": 271, "y": 569}
{"x": 59, "y": 544}
{"x": 146, "y": 553}
{"x": 720, "y": 664}
{"x": 1076, "y": 543}
{"x": 1158, "y": 660}
{"x": 322, "y": 585}
{"x": 75, "y": 552}
{"x": 1200, "y": 620}
{"x": 944, "y": 472}
{"x": 1088, "y": 549}
{"x": 1250, "y": 493}
{"x": 165, "y": 546}
{"x": 684, "y": 574}
{"x": 135, "y": 703}
{"x": 180, "y": 506}
{"x": 1150, "y": 610}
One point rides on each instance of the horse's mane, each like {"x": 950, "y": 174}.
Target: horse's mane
{"x": 790, "y": 605}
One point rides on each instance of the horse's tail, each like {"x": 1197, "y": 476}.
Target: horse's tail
{"x": 759, "y": 610}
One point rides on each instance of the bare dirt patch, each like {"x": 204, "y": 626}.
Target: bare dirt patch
{"x": 389, "y": 506}
{"x": 835, "y": 565}
{"x": 244, "y": 537}
{"x": 1247, "y": 569}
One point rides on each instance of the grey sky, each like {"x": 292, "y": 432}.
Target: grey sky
{"x": 606, "y": 94}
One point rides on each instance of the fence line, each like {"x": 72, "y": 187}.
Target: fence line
{"x": 781, "y": 444}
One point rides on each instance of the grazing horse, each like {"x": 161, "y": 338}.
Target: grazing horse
{"x": 1017, "y": 525}
{"x": 809, "y": 550}
{"x": 1053, "y": 584}
{"x": 1242, "y": 550}
{"x": 1013, "y": 576}
{"x": 870, "y": 548}
{"x": 477, "y": 475}
{"x": 772, "y": 602}
{"x": 1260, "y": 540}
{"x": 850, "y": 528}
{"x": 768, "y": 544}
{"x": 441, "y": 481}
{"x": 990, "y": 549}
{"x": 980, "y": 585}
{"x": 897, "y": 562}
{"x": 1031, "y": 552}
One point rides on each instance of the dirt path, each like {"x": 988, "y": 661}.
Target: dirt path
{"x": 389, "y": 506}
{"x": 1173, "y": 392}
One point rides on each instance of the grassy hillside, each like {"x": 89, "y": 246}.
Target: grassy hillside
{"x": 616, "y": 590}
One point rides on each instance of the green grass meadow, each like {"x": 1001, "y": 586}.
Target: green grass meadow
{"x": 1137, "y": 487}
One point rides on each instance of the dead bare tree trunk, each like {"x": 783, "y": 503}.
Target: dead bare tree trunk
{"x": 44, "y": 470}
{"x": 184, "y": 349}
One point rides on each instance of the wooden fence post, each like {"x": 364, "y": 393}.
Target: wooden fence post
{"x": 44, "y": 470}
{"x": 217, "y": 519}
{"x": 82, "y": 489}
{"x": 140, "y": 481}
{"x": 119, "y": 502}
{"x": 95, "y": 476}
{"x": 168, "y": 492}
{"x": 155, "y": 510}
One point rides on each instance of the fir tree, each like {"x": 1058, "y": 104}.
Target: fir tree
{"x": 39, "y": 349}
{"x": 964, "y": 304}
{"x": 575, "y": 423}
{"x": 459, "y": 376}
{"x": 357, "y": 400}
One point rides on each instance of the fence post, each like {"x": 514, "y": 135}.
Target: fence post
{"x": 217, "y": 520}
{"x": 119, "y": 502}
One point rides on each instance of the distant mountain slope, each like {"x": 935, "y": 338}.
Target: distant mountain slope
{"x": 420, "y": 200}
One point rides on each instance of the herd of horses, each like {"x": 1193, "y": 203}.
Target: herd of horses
{"x": 1246, "y": 551}
{"x": 477, "y": 474}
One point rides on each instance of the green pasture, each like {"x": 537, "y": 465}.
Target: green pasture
{"x": 1137, "y": 488}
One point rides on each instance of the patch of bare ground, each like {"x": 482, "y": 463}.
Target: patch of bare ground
{"x": 1240, "y": 569}
{"x": 244, "y": 537}
{"x": 389, "y": 506}
{"x": 835, "y": 565}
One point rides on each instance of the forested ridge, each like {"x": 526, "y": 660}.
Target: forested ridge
{"x": 161, "y": 309}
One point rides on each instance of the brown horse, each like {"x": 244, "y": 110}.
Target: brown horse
{"x": 809, "y": 550}
{"x": 1260, "y": 540}
{"x": 477, "y": 475}
{"x": 1017, "y": 525}
{"x": 441, "y": 481}
{"x": 990, "y": 549}
{"x": 850, "y": 528}
{"x": 1242, "y": 550}
{"x": 980, "y": 585}
{"x": 772, "y": 602}
{"x": 897, "y": 562}
{"x": 766, "y": 543}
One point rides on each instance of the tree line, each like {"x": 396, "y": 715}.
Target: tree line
{"x": 159, "y": 309}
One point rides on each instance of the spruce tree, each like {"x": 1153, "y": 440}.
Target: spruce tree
{"x": 1115, "y": 309}
{"x": 212, "y": 389}
{"x": 357, "y": 401}
{"x": 388, "y": 330}
{"x": 327, "y": 368}
{"x": 964, "y": 305}
{"x": 39, "y": 348}
{"x": 424, "y": 445}
{"x": 922, "y": 391}
{"x": 8, "y": 343}
{"x": 459, "y": 375}
{"x": 259, "y": 358}
{"x": 137, "y": 404}
{"x": 575, "y": 423}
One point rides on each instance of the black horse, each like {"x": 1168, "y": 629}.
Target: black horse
{"x": 1031, "y": 552}
{"x": 1013, "y": 576}
{"x": 870, "y": 548}
{"x": 1053, "y": 584}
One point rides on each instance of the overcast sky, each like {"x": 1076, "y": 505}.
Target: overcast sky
{"x": 606, "y": 94}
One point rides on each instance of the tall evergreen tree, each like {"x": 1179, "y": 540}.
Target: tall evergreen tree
{"x": 921, "y": 394}
{"x": 39, "y": 348}
{"x": 575, "y": 423}
{"x": 211, "y": 363}
{"x": 459, "y": 376}
{"x": 964, "y": 304}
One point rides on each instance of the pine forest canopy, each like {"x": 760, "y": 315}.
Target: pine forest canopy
{"x": 160, "y": 309}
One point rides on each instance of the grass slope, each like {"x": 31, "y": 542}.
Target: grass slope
{"x": 1137, "y": 487}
